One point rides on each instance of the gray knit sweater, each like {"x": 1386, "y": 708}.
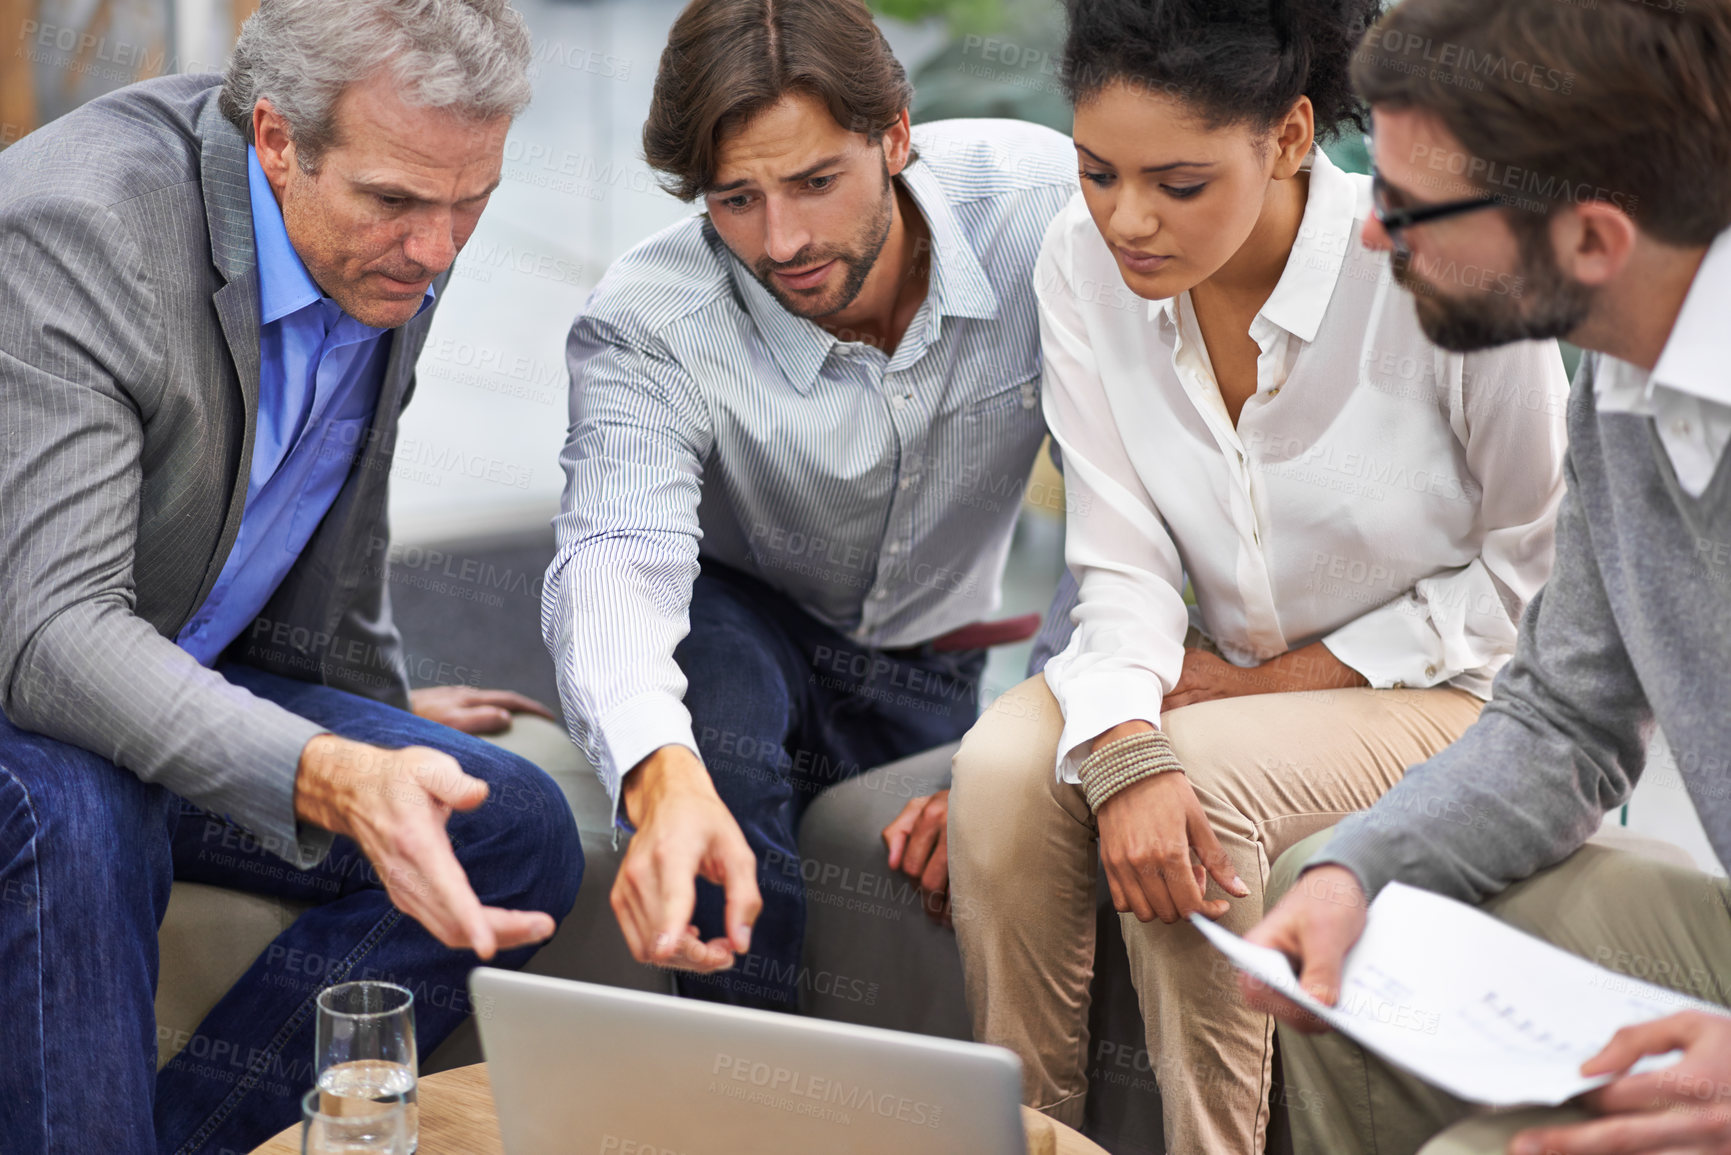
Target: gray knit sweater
{"x": 1634, "y": 627}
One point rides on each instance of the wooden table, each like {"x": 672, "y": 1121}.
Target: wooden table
{"x": 457, "y": 1118}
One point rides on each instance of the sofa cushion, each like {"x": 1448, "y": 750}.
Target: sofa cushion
{"x": 872, "y": 956}
{"x": 207, "y": 940}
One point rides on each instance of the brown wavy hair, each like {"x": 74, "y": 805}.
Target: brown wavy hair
{"x": 727, "y": 60}
{"x": 1615, "y": 100}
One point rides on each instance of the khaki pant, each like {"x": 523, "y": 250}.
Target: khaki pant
{"x": 1652, "y": 920}
{"x": 1269, "y": 770}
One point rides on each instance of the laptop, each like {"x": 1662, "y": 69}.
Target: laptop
{"x": 580, "y": 1069}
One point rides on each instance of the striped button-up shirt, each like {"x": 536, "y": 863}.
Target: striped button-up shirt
{"x": 878, "y": 492}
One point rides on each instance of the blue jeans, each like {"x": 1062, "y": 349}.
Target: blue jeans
{"x": 783, "y": 706}
{"x": 87, "y": 855}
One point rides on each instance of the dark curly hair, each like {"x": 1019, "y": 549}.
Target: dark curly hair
{"x": 1231, "y": 61}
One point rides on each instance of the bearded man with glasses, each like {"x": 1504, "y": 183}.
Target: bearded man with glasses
{"x": 1630, "y": 258}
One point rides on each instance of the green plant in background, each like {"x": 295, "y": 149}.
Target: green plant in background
{"x": 1347, "y": 150}
{"x": 1002, "y": 59}
{"x": 962, "y": 17}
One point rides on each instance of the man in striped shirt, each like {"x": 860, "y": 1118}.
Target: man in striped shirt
{"x": 801, "y": 423}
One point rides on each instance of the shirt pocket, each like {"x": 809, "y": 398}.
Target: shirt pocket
{"x": 339, "y": 447}
{"x": 1021, "y": 396}
{"x": 984, "y": 450}
{"x": 1009, "y": 414}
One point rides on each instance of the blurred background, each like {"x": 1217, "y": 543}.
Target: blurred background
{"x": 477, "y": 476}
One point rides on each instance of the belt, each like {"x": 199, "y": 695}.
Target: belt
{"x": 981, "y": 635}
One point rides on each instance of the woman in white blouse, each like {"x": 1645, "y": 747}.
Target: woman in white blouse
{"x": 1243, "y": 399}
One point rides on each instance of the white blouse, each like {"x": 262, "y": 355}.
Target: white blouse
{"x": 1379, "y": 494}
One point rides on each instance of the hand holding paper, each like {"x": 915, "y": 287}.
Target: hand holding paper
{"x": 1468, "y": 1003}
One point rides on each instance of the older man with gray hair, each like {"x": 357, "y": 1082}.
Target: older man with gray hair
{"x": 212, "y": 294}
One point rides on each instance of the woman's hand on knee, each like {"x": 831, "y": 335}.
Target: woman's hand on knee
{"x": 1152, "y": 834}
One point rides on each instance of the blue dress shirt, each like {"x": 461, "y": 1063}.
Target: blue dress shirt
{"x": 318, "y": 383}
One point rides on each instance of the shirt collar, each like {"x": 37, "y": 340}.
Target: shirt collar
{"x": 1698, "y": 350}
{"x": 284, "y": 285}
{"x": 1325, "y": 236}
{"x": 958, "y": 288}
{"x": 959, "y": 284}
{"x": 799, "y": 347}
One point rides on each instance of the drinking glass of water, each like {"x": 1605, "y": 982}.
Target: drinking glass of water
{"x": 365, "y": 1047}
{"x": 335, "y": 1125}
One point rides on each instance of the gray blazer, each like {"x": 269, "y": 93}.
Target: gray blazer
{"x": 129, "y": 375}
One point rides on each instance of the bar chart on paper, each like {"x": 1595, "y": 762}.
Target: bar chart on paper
{"x": 1469, "y": 1003}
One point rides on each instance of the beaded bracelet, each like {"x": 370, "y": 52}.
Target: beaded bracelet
{"x": 1123, "y": 762}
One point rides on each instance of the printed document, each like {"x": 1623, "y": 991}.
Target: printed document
{"x": 1468, "y": 1003}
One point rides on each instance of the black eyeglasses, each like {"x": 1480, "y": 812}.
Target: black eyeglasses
{"x": 1393, "y": 219}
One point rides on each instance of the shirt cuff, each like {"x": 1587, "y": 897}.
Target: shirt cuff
{"x": 1394, "y": 647}
{"x": 1096, "y": 702}
{"x": 270, "y": 811}
{"x": 633, "y": 731}
{"x": 1363, "y": 845}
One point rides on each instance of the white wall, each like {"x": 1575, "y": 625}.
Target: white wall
{"x": 481, "y": 441}
{"x": 1660, "y": 808}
